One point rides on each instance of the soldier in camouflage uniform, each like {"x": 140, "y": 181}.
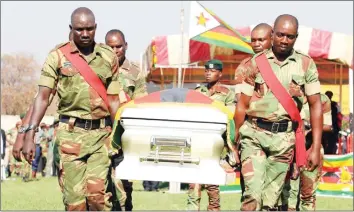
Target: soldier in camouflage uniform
{"x": 219, "y": 92}
{"x": 133, "y": 84}
{"x": 261, "y": 39}
{"x": 266, "y": 152}
{"x": 20, "y": 168}
{"x": 85, "y": 120}
{"x": 307, "y": 182}
{"x": 14, "y": 166}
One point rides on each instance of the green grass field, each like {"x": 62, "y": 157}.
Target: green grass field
{"x": 45, "y": 194}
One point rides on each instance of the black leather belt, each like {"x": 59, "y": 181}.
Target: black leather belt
{"x": 274, "y": 127}
{"x": 86, "y": 123}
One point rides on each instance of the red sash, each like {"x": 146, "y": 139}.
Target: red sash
{"x": 287, "y": 102}
{"x": 86, "y": 72}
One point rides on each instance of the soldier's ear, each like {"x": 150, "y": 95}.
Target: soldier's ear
{"x": 126, "y": 45}
{"x": 71, "y": 28}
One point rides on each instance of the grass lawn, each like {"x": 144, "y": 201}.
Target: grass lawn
{"x": 45, "y": 194}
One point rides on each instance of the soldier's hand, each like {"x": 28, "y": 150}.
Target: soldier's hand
{"x": 313, "y": 159}
{"x": 29, "y": 147}
{"x": 17, "y": 148}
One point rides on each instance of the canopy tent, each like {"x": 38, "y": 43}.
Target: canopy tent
{"x": 331, "y": 51}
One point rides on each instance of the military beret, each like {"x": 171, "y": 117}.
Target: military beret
{"x": 214, "y": 64}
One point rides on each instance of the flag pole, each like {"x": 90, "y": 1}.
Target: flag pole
{"x": 181, "y": 59}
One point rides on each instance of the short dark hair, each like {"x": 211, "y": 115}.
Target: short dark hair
{"x": 115, "y": 31}
{"x": 289, "y": 17}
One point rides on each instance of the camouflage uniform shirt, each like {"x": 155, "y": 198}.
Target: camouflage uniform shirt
{"x": 297, "y": 73}
{"x": 221, "y": 93}
{"x": 132, "y": 80}
{"x": 76, "y": 97}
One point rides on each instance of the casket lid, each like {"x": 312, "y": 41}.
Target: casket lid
{"x": 177, "y": 112}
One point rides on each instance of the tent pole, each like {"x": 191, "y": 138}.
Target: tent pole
{"x": 335, "y": 74}
{"x": 340, "y": 86}
{"x": 162, "y": 79}
{"x": 182, "y": 31}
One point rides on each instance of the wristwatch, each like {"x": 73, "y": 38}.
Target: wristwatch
{"x": 22, "y": 129}
{"x": 32, "y": 127}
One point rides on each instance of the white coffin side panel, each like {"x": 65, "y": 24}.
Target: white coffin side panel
{"x": 205, "y": 140}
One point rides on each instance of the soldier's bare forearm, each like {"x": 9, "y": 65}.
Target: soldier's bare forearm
{"x": 114, "y": 105}
{"x": 27, "y": 117}
{"x": 40, "y": 105}
{"x": 316, "y": 119}
{"x": 240, "y": 113}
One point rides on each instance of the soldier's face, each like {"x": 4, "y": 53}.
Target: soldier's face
{"x": 83, "y": 30}
{"x": 118, "y": 45}
{"x": 212, "y": 75}
{"x": 284, "y": 37}
{"x": 260, "y": 40}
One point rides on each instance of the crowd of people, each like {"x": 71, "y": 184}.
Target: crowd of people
{"x": 43, "y": 162}
{"x": 277, "y": 146}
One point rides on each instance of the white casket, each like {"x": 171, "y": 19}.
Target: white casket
{"x": 174, "y": 143}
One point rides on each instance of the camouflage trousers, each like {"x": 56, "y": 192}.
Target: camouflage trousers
{"x": 302, "y": 191}
{"x": 194, "y": 197}
{"x": 84, "y": 167}
{"x": 265, "y": 158}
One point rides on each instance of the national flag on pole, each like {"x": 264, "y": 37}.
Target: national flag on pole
{"x": 205, "y": 26}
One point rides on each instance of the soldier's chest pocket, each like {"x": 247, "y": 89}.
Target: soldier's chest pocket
{"x": 297, "y": 85}
{"x": 68, "y": 71}
{"x": 68, "y": 76}
{"x": 260, "y": 87}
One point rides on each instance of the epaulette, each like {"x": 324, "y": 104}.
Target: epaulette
{"x": 135, "y": 64}
{"x": 107, "y": 52}
{"x": 58, "y": 46}
{"x": 106, "y": 47}
{"x": 246, "y": 60}
{"x": 134, "y": 69}
{"x": 302, "y": 53}
{"x": 222, "y": 89}
{"x": 198, "y": 86}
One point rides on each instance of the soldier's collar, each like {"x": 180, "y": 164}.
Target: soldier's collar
{"x": 75, "y": 49}
{"x": 126, "y": 64}
{"x": 270, "y": 55}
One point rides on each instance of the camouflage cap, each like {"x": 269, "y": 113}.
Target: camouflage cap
{"x": 214, "y": 64}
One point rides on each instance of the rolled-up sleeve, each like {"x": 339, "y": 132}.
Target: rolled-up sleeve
{"x": 312, "y": 83}
{"x": 247, "y": 73}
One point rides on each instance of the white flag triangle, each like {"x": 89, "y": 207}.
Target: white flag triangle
{"x": 200, "y": 20}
